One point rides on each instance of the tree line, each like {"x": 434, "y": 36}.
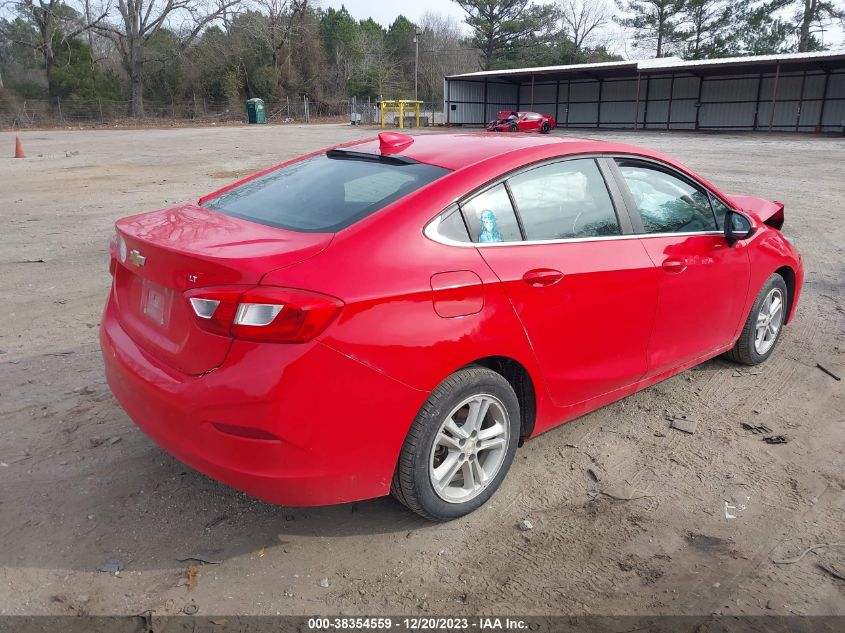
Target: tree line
{"x": 705, "y": 29}
{"x": 225, "y": 51}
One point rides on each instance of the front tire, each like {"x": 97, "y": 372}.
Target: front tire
{"x": 764, "y": 324}
{"x": 513, "y": 127}
{"x": 460, "y": 445}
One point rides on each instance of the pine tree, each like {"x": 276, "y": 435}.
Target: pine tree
{"x": 501, "y": 26}
{"x": 706, "y": 27}
{"x": 655, "y": 23}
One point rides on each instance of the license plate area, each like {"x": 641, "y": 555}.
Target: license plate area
{"x": 156, "y": 303}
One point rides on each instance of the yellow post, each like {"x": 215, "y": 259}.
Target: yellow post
{"x": 399, "y": 106}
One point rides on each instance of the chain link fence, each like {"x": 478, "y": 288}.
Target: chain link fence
{"x": 36, "y": 113}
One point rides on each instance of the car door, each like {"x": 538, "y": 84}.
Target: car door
{"x": 702, "y": 280}
{"x": 584, "y": 291}
{"x": 530, "y": 122}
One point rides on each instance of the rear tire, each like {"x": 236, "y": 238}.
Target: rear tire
{"x": 545, "y": 128}
{"x": 764, "y": 325}
{"x": 459, "y": 447}
{"x": 513, "y": 128}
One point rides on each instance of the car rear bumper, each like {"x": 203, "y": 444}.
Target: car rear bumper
{"x": 340, "y": 424}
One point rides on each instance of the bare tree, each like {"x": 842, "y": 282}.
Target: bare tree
{"x": 582, "y": 20}
{"x": 283, "y": 20}
{"x": 55, "y": 22}
{"x": 142, "y": 20}
{"x": 373, "y": 65}
{"x": 443, "y": 51}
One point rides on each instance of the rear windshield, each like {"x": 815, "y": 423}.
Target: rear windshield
{"x": 324, "y": 194}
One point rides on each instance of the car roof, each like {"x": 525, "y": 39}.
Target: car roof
{"x": 455, "y": 151}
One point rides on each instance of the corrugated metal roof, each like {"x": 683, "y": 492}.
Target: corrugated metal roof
{"x": 674, "y": 62}
{"x": 544, "y": 69}
{"x": 661, "y": 64}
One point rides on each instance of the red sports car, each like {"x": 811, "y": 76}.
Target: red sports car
{"x": 397, "y": 314}
{"x": 513, "y": 121}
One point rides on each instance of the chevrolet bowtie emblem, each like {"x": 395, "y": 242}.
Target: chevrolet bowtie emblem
{"x": 137, "y": 258}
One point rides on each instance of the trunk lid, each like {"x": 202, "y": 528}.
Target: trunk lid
{"x": 766, "y": 211}
{"x": 173, "y": 250}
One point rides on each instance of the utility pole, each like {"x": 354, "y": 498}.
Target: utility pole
{"x": 416, "y": 61}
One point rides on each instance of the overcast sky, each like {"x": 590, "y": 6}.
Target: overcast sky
{"x": 385, "y": 12}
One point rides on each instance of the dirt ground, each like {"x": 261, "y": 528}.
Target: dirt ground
{"x": 80, "y": 485}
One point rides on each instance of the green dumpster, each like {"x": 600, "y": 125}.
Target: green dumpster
{"x": 255, "y": 111}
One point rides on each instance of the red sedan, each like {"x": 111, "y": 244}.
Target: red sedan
{"x": 398, "y": 314}
{"x": 512, "y": 121}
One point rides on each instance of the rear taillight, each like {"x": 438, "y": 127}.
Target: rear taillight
{"x": 114, "y": 246}
{"x": 215, "y": 308}
{"x": 264, "y": 313}
{"x": 117, "y": 250}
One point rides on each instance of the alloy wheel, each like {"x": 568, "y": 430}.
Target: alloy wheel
{"x": 769, "y": 321}
{"x": 469, "y": 448}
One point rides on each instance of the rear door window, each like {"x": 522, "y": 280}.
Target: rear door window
{"x": 325, "y": 193}
{"x": 490, "y": 217}
{"x": 567, "y": 199}
{"x": 452, "y": 226}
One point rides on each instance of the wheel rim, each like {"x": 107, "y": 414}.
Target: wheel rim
{"x": 769, "y": 321}
{"x": 469, "y": 448}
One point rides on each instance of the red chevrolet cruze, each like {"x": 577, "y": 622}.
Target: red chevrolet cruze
{"x": 397, "y": 314}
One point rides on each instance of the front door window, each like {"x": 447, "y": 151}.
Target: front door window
{"x": 667, "y": 204}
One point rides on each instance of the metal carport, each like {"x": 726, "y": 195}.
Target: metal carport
{"x": 788, "y": 92}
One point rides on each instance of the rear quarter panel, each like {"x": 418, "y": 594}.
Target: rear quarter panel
{"x": 389, "y": 320}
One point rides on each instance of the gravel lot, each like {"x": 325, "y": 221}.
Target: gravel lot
{"x": 80, "y": 485}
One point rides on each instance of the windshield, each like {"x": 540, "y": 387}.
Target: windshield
{"x": 324, "y": 194}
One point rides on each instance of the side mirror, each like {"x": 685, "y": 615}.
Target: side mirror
{"x": 737, "y": 227}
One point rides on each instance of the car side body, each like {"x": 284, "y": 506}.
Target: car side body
{"x": 513, "y": 121}
{"x": 326, "y": 419}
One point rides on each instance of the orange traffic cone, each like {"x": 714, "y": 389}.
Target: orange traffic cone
{"x": 19, "y": 148}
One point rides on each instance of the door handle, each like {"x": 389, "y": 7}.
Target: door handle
{"x": 542, "y": 277}
{"x": 674, "y": 265}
